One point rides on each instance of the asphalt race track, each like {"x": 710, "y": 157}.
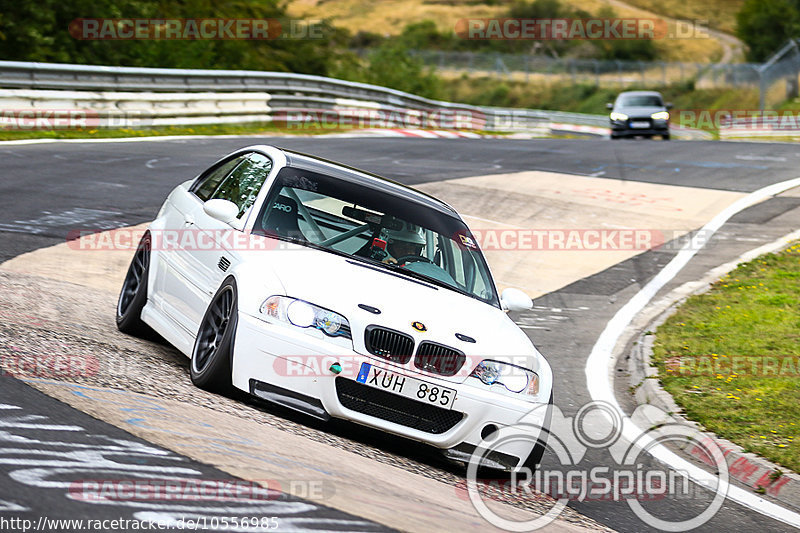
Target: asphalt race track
{"x": 50, "y": 188}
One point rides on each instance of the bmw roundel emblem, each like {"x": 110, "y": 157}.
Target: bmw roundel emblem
{"x": 419, "y": 326}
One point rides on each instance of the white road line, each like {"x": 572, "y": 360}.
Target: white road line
{"x": 600, "y": 360}
{"x": 12, "y": 507}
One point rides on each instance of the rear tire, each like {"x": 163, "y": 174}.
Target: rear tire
{"x": 210, "y": 366}
{"x": 133, "y": 295}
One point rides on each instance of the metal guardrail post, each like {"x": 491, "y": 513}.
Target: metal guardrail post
{"x": 596, "y": 72}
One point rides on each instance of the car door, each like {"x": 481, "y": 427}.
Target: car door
{"x": 183, "y": 279}
{"x": 215, "y": 250}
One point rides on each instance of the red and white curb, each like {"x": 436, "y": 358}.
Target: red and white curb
{"x": 593, "y": 130}
{"x": 599, "y": 365}
{"x": 437, "y": 134}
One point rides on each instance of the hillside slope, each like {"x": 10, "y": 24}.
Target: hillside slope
{"x": 389, "y": 17}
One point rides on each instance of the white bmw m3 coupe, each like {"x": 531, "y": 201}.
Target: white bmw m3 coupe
{"x": 339, "y": 293}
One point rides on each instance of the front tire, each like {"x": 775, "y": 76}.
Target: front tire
{"x": 133, "y": 295}
{"x": 210, "y": 366}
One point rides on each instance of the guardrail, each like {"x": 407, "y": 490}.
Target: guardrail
{"x": 131, "y": 97}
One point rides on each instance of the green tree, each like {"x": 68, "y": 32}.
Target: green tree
{"x": 391, "y": 65}
{"x": 39, "y": 31}
{"x": 766, "y": 25}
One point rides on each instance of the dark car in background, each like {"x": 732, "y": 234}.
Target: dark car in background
{"x": 639, "y": 114}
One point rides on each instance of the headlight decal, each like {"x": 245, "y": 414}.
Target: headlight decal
{"x": 513, "y": 378}
{"x": 302, "y": 314}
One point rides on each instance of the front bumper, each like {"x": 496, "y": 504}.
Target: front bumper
{"x": 289, "y": 363}
{"x": 624, "y": 128}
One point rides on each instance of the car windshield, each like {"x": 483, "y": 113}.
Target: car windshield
{"x": 647, "y": 100}
{"x": 377, "y": 226}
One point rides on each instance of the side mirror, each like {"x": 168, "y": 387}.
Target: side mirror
{"x": 513, "y": 299}
{"x": 609, "y": 106}
{"x": 668, "y": 105}
{"x": 222, "y": 210}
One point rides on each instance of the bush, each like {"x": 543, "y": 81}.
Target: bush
{"x": 766, "y": 25}
{"x": 39, "y": 31}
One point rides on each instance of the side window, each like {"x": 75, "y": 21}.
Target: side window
{"x": 205, "y": 189}
{"x": 243, "y": 184}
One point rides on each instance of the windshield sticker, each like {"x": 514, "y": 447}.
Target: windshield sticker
{"x": 301, "y": 182}
{"x": 467, "y": 241}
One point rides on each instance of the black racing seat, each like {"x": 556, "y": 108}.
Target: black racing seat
{"x": 281, "y": 219}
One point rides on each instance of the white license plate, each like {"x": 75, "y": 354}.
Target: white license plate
{"x": 413, "y": 388}
{"x": 640, "y": 124}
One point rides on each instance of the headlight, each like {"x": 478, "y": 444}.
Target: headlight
{"x": 513, "y": 378}
{"x": 618, "y": 116}
{"x": 306, "y": 315}
{"x": 661, "y": 115}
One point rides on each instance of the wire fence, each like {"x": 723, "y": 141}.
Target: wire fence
{"x": 784, "y": 66}
{"x": 600, "y": 72}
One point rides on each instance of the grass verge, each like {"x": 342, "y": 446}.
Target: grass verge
{"x": 730, "y": 357}
{"x": 267, "y": 128}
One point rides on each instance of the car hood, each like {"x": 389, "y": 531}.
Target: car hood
{"x": 341, "y": 284}
{"x": 639, "y": 111}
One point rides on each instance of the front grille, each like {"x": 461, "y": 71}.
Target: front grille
{"x": 389, "y": 344}
{"x": 439, "y": 359}
{"x": 393, "y": 408}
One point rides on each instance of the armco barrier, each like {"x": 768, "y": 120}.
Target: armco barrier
{"x": 131, "y": 97}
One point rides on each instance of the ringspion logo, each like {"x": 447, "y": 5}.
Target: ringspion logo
{"x": 625, "y": 474}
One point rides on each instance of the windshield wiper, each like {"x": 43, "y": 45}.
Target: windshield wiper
{"x": 434, "y": 281}
{"x": 423, "y": 277}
